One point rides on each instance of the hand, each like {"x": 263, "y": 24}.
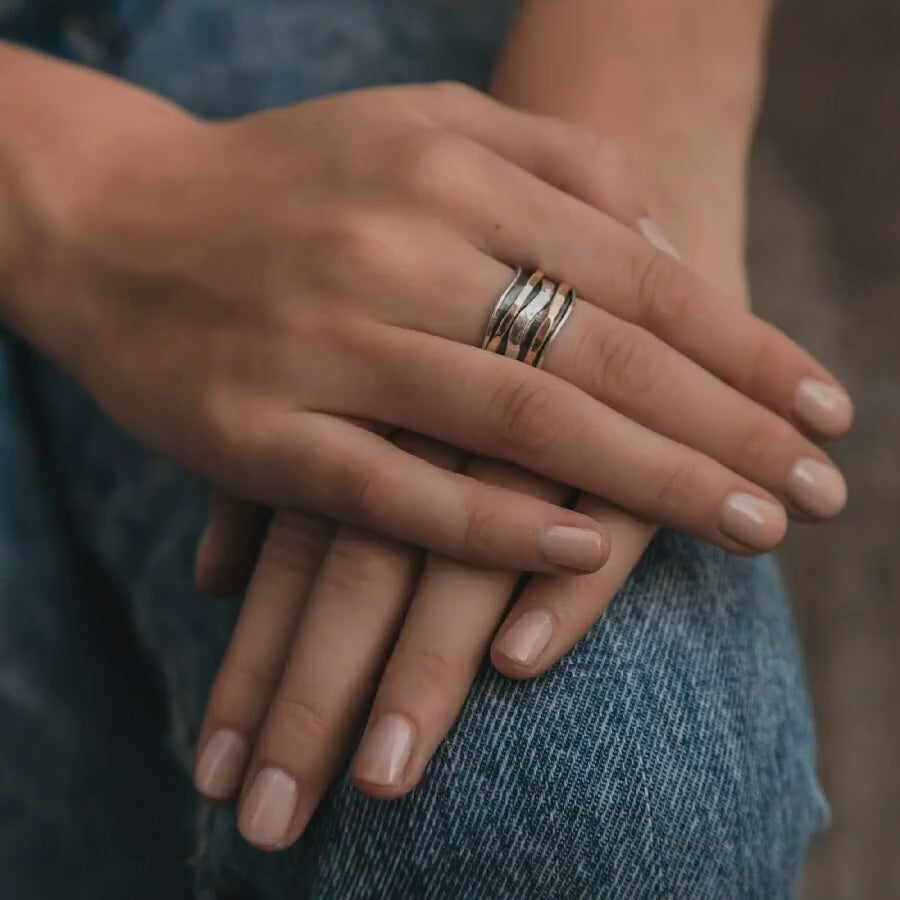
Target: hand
{"x": 314, "y": 631}
{"x": 322, "y": 613}
{"x": 367, "y": 230}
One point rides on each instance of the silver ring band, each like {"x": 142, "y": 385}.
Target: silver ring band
{"x": 528, "y": 316}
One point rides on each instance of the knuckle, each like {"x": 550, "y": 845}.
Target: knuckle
{"x": 295, "y": 541}
{"x": 663, "y": 292}
{"x": 430, "y": 670}
{"x": 678, "y": 489}
{"x": 484, "y": 522}
{"x": 605, "y": 154}
{"x": 525, "y": 415}
{"x": 767, "y": 357}
{"x": 240, "y": 684}
{"x": 299, "y": 722}
{"x": 352, "y": 238}
{"x": 435, "y": 164}
{"x": 610, "y": 155}
{"x": 451, "y": 92}
{"x": 623, "y": 362}
{"x": 356, "y": 560}
{"x": 368, "y": 498}
{"x": 758, "y": 445}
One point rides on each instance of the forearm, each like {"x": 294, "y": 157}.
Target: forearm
{"x": 676, "y": 82}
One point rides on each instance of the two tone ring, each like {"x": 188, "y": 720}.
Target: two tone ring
{"x": 529, "y": 315}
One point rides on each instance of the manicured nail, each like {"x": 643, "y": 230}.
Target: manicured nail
{"x": 752, "y": 521}
{"x": 221, "y": 764}
{"x": 268, "y": 808}
{"x": 823, "y": 407}
{"x": 817, "y": 488}
{"x": 573, "y": 548}
{"x": 654, "y": 234}
{"x": 385, "y": 751}
{"x": 528, "y": 637}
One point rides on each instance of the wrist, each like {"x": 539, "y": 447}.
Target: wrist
{"x": 77, "y": 148}
{"x": 676, "y": 83}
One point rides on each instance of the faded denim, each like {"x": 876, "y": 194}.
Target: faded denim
{"x": 671, "y": 754}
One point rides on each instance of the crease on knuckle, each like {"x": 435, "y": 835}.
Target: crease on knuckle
{"x": 429, "y": 670}
{"x": 663, "y": 293}
{"x": 757, "y": 449}
{"x": 484, "y": 522}
{"x": 678, "y": 490}
{"x": 299, "y": 722}
{"x": 435, "y": 168}
{"x": 241, "y": 680}
{"x": 765, "y": 360}
{"x": 368, "y": 498}
{"x": 354, "y": 564}
{"x": 353, "y": 239}
{"x": 451, "y": 92}
{"x": 525, "y": 415}
{"x": 623, "y": 364}
{"x": 295, "y": 541}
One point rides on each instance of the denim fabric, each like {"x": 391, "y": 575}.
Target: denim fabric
{"x": 670, "y": 755}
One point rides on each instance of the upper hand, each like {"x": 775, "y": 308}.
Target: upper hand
{"x": 250, "y": 291}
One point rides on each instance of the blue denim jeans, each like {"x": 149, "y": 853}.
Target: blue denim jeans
{"x": 671, "y": 754}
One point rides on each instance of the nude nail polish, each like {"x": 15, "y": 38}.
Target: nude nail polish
{"x": 384, "y": 751}
{"x": 756, "y": 523}
{"x": 823, "y": 407}
{"x": 654, "y": 235}
{"x": 221, "y": 765}
{"x": 817, "y": 488}
{"x": 527, "y": 638}
{"x": 268, "y": 809}
{"x": 579, "y": 549}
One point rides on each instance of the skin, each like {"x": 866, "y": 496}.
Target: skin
{"x": 333, "y": 612}
{"x": 311, "y": 302}
{"x": 287, "y": 302}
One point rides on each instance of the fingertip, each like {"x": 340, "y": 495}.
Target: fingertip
{"x": 520, "y": 650}
{"x": 581, "y": 548}
{"x": 220, "y": 765}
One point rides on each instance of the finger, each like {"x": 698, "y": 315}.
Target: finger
{"x": 446, "y": 633}
{"x": 502, "y": 409}
{"x": 576, "y": 160}
{"x": 553, "y": 614}
{"x": 350, "y": 618}
{"x": 520, "y": 219}
{"x": 229, "y": 545}
{"x": 247, "y": 679}
{"x": 636, "y": 373}
{"x": 354, "y": 476}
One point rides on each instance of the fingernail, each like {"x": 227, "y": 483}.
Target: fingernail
{"x": 654, "y": 234}
{"x": 221, "y": 764}
{"x": 752, "y": 521}
{"x": 573, "y": 548}
{"x": 268, "y": 808}
{"x": 528, "y": 637}
{"x": 817, "y": 488}
{"x": 385, "y": 751}
{"x": 823, "y": 407}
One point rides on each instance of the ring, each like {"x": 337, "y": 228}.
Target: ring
{"x": 528, "y": 316}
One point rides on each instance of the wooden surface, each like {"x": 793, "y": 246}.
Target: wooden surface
{"x": 825, "y": 261}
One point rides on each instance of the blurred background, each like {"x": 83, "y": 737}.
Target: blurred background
{"x": 825, "y": 262}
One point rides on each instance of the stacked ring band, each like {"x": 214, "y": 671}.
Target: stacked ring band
{"x": 528, "y": 316}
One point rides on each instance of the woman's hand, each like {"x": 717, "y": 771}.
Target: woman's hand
{"x": 264, "y": 300}
{"x": 326, "y": 607}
